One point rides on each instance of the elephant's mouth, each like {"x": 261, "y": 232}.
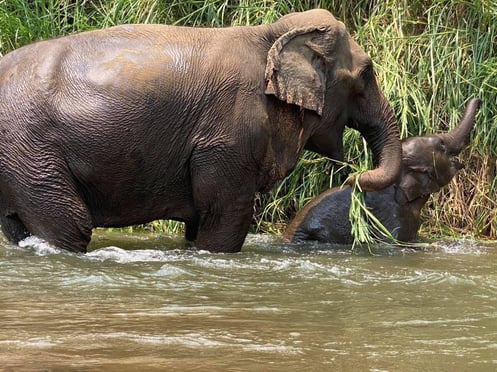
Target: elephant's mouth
{"x": 457, "y": 165}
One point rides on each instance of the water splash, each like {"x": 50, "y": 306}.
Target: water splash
{"x": 39, "y": 246}
{"x": 123, "y": 256}
{"x": 465, "y": 246}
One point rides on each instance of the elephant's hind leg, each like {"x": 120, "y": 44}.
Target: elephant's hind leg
{"x": 66, "y": 225}
{"x": 13, "y": 228}
{"x": 191, "y": 229}
{"x": 55, "y": 212}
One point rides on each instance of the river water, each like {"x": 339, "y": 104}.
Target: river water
{"x": 145, "y": 302}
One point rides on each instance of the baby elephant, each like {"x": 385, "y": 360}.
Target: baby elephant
{"x": 426, "y": 167}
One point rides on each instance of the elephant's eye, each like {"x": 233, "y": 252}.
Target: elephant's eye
{"x": 367, "y": 73}
{"x": 442, "y": 147}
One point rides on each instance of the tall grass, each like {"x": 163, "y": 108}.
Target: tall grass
{"x": 430, "y": 56}
{"x": 434, "y": 58}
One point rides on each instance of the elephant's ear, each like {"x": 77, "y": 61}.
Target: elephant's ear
{"x": 295, "y": 68}
{"x": 418, "y": 181}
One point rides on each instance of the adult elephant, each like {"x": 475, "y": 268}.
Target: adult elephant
{"x": 135, "y": 123}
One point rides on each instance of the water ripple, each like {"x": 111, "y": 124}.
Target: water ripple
{"x": 124, "y": 256}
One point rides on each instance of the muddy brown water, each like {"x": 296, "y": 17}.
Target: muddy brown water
{"x": 144, "y": 302}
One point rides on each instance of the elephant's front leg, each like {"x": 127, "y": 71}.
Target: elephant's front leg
{"x": 223, "y": 228}
{"x": 224, "y": 205}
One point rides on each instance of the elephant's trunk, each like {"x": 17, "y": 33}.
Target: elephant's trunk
{"x": 385, "y": 174}
{"x": 458, "y": 138}
{"x": 384, "y": 139}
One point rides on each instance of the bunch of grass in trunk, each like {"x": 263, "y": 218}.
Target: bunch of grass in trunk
{"x": 430, "y": 57}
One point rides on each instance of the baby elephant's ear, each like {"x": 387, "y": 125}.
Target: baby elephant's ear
{"x": 414, "y": 185}
{"x": 295, "y": 69}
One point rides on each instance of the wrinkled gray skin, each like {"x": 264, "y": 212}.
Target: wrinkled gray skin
{"x": 427, "y": 166}
{"x": 135, "y": 123}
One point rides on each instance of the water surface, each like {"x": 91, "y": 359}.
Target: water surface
{"x": 146, "y": 302}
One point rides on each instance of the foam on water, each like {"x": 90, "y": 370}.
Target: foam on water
{"x": 124, "y": 256}
{"x": 32, "y": 343}
{"x": 170, "y": 271}
{"x": 39, "y": 246}
{"x": 199, "y": 340}
{"x": 465, "y": 246}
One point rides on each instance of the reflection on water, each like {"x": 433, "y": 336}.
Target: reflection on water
{"x": 147, "y": 302}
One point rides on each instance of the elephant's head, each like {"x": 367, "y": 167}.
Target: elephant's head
{"x": 317, "y": 65}
{"x": 427, "y": 165}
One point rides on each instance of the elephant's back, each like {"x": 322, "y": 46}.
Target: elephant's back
{"x": 128, "y": 67}
{"x": 324, "y": 219}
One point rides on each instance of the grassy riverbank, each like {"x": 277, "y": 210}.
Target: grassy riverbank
{"x": 430, "y": 57}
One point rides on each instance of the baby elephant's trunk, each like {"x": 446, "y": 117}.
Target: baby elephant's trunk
{"x": 458, "y": 138}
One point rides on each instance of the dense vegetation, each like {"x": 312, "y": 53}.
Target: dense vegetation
{"x": 430, "y": 56}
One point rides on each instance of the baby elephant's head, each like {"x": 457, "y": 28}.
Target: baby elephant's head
{"x": 427, "y": 163}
